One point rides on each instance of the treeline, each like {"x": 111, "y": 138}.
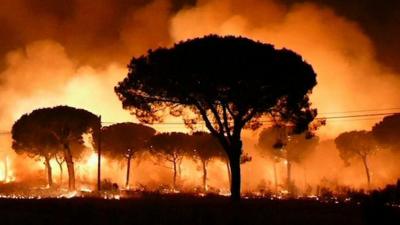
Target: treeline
{"x": 57, "y": 134}
{"x": 125, "y": 141}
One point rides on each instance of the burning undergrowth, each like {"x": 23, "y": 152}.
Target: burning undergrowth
{"x": 388, "y": 196}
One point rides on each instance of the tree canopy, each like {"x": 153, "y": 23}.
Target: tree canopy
{"x": 387, "y": 131}
{"x": 125, "y": 141}
{"x": 171, "y": 147}
{"x": 293, "y": 148}
{"x": 229, "y": 83}
{"x": 30, "y": 139}
{"x": 206, "y": 147}
{"x": 59, "y": 126}
{"x": 279, "y": 144}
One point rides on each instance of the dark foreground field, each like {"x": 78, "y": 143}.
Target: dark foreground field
{"x": 191, "y": 211}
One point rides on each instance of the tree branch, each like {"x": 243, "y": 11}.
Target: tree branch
{"x": 230, "y": 111}
{"x": 226, "y": 124}
{"x": 248, "y": 117}
{"x": 220, "y": 136}
{"x": 217, "y": 118}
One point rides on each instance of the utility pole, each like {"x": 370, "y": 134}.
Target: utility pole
{"x": 99, "y": 157}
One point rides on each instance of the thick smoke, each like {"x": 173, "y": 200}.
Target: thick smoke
{"x": 349, "y": 77}
{"x": 73, "y": 52}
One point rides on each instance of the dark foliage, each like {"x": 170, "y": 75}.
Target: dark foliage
{"x": 294, "y": 148}
{"x": 60, "y": 126}
{"x": 387, "y": 132}
{"x": 171, "y": 147}
{"x": 356, "y": 144}
{"x": 206, "y": 148}
{"x": 279, "y": 143}
{"x": 125, "y": 141}
{"x": 227, "y": 82}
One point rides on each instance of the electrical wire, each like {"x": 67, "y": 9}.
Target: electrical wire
{"x": 341, "y": 118}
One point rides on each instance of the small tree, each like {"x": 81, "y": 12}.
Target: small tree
{"x": 171, "y": 147}
{"x": 280, "y": 144}
{"x": 228, "y": 83}
{"x": 358, "y": 144}
{"x": 267, "y": 144}
{"x": 205, "y": 148}
{"x": 125, "y": 141}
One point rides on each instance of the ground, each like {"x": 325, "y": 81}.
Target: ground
{"x": 187, "y": 210}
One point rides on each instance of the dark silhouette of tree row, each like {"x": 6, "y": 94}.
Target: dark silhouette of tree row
{"x": 47, "y": 131}
{"x": 229, "y": 83}
{"x": 32, "y": 136}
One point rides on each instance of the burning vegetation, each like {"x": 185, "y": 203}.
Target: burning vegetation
{"x": 211, "y": 111}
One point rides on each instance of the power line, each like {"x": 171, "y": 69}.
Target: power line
{"x": 344, "y": 118}
{"x": 270, "y": 121}
{"x": 359, "y": 115}
{"x": 365, "y": 110}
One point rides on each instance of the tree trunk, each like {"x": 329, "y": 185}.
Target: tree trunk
{"x": 204, "y": 175}
{"x": 49, "y": 173}
{"x": 174, "y": 178}
{"x": 364, "y": 159}
{"x": 180, "y": 168}
{"x": 228, "y": 170}
{"x": 289, "y": 176}
{"x": 275, "y": 177}
{"x": 99, "y": 157}
{"x": 61, "y": 173}
{"x": 234, "y": 162}
{"x": 128, "y": 169}
{"x": 70, "y": 167}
